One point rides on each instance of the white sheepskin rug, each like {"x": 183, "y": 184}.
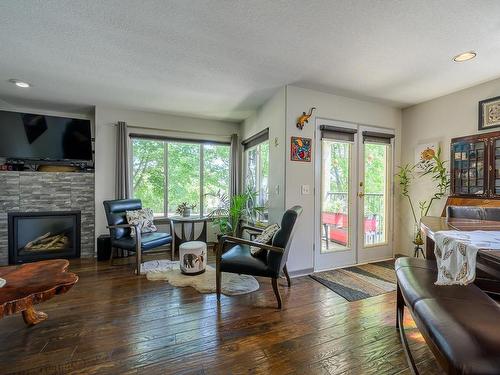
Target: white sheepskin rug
{"x": 158, "y": 266}
{"x": 232, "y": 284}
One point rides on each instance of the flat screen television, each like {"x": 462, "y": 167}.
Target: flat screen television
{"x": 30, "y": 136}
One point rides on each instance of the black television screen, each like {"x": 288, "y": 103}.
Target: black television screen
{"x": 39, "y": 137}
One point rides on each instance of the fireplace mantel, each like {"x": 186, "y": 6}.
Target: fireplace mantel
{"x": 48, "y": 191}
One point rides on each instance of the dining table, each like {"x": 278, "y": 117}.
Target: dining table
{"x": 488, "y": 261}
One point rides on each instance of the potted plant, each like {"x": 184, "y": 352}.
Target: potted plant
{"x": 431, "y": 165}
{"x": 184, "y": 209}
{"x": 231, "y": 211}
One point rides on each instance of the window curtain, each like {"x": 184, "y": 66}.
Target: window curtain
{"x": 337, "y": 133}
{"x": 122, "y": 187}
{"x": 255, "y": 139}
{"x": 235, "y": 165}
{"x": 375, "y": 137}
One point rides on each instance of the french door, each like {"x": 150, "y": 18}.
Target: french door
{"x": 354, "y": 194}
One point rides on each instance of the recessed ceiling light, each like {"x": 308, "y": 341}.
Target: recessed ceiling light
{"x": 465, "y": 56}
{"x": 20, "y": 83}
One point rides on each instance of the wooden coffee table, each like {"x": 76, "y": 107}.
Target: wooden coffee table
{"x": 33, "y": 283}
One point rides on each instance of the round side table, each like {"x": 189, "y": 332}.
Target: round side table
{"x": 187, "y": 226}
{"x": 193, "y": 257}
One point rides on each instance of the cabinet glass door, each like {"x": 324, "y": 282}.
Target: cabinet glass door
{"x": 495, "y": 186}
{"x": 469, "y": 175}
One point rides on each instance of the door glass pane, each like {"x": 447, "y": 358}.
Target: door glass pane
{"x": 251, "y": 169}
{"x": 216, "y": 177}
{"x": 335, "y": 181}
{"x": 264, "y": 174}
{"x": 183, "y": 176}
{"x": 148, "y": 174}
{"x": 257, "y": 177}
{"x": 376, "y": 193}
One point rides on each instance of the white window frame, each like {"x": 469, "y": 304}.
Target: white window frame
{"x": 166, "y": 141}
{"x": 259, "y": 174}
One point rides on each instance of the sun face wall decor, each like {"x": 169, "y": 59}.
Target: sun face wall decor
{"x": 300, "y": 149}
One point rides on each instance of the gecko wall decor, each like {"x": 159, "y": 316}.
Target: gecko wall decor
{"x": 304, "y": 118}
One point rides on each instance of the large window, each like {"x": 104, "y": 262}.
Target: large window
{"x": 166, "y": 173}
{"x": 257, "y": 171}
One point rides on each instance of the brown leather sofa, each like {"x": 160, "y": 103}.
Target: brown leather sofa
{"x": 461, "y": 324}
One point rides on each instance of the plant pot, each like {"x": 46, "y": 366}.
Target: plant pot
{"x": 186, "y": 212}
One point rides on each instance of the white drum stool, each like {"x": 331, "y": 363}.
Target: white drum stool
{"x": 193, "y": 257}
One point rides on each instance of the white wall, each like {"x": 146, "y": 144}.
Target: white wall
{"x": 441, "y": 119}
{"x": 105, "y": 144}
{"x": 332, "y": 107}
{"x": 272, "y": 115}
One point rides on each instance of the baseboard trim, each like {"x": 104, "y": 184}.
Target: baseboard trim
{"x": 303, "y": 272}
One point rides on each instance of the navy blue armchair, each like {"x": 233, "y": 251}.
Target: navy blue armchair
{"x": 120, "y": 230}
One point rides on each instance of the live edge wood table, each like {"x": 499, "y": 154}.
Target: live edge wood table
{"x": 33, "y": 283}
{"x": 488, "y": 261}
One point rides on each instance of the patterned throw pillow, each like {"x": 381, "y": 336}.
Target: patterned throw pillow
{"x": 143, "y": 218}
{"x": 265, "y": 237}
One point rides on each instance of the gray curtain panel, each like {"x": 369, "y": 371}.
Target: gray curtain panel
{"x": 122, "y": 188}
{"x": 235, "y": 165}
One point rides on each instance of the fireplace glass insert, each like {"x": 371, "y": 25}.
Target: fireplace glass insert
{"x": 43, "y": 235}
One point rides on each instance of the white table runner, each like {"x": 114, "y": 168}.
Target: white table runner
{"x": 456, "y": 253}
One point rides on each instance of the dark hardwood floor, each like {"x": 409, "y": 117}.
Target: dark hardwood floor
{"x": 113, "y": 322}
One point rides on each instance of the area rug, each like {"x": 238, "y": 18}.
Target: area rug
{"x": 360, "y": 282}
{"x": 158, "y": 265}
{"x": 232, "y": 284}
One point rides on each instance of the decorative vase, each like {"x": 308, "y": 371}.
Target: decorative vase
{"x": 417, "y": 235}
{"x": 418, "y": 242}
{"x": 186, "y": 212}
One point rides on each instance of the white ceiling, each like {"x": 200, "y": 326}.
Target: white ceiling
{"x": 224, "y": 58}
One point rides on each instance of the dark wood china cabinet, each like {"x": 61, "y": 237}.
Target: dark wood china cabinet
{"x": 475, "y": 165}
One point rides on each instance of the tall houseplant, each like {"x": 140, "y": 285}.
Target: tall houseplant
{"x": 230, "y": 211}
{"x": 431, "y": 164}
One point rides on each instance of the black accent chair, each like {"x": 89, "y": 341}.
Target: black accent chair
{"x": 120, "y": 230}
{"x": 238, "y": 259}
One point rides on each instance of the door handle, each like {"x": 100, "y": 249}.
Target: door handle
{"x": 361, "y": 194}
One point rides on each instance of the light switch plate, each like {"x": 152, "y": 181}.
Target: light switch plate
{"x": 305, "y": 189}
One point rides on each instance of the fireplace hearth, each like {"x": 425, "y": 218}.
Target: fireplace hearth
{"x": 36, "y": 236}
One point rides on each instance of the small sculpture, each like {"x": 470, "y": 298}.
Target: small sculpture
{"x": 304, "y": 119}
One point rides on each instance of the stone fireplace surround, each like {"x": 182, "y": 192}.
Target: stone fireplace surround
{"x": 48, "y": 191}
